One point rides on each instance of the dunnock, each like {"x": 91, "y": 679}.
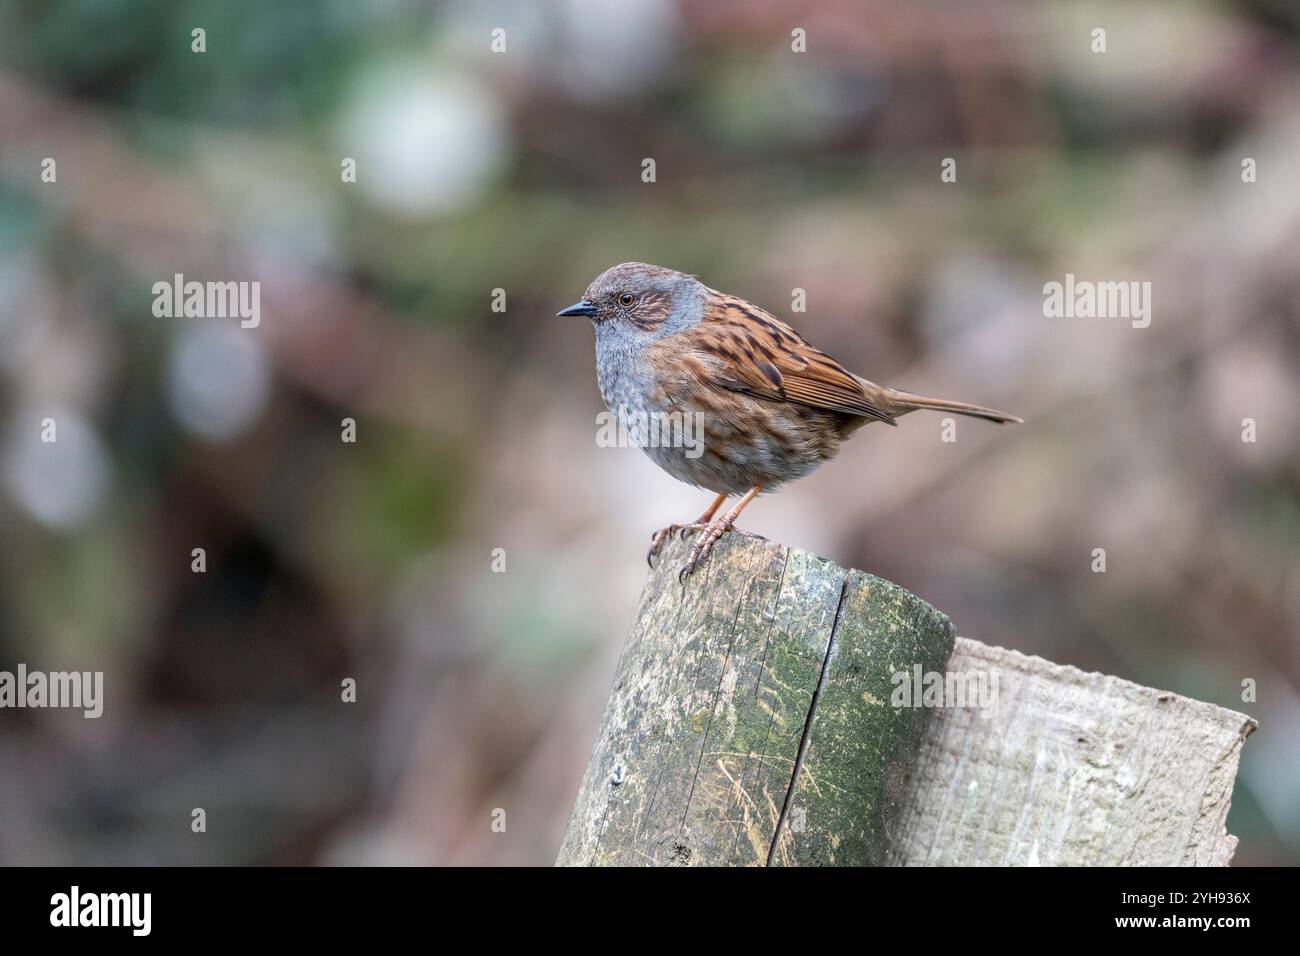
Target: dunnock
{"x": 769, "y": 407}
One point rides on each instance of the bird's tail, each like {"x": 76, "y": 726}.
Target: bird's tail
{"x": 902, "y": 402}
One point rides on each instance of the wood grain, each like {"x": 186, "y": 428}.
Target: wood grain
{"x": 754, "y": 720}
{"x": 713, "y": 705}
{"x": 1073, "y": 769}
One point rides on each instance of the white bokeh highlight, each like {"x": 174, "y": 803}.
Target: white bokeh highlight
{"x": 427, "y": 143}
{"x": 58, "y": 483}
{"x": 218, "y": 380}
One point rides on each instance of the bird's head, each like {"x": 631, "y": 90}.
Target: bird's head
{"x": 642, "y": 298}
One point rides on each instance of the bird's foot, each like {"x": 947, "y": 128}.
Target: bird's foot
{"x": 659, "y": 537}
{"x": 702, "y": 548}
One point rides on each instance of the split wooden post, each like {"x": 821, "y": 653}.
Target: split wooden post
{"x": 770, "y": 712}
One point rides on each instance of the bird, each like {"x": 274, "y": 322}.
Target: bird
{"x": 767, "y": 406}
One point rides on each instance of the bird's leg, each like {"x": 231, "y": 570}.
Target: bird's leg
{"x": 658, "y": 538}
{"x": 713, "y": 532}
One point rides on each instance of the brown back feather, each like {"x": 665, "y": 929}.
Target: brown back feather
{"x": 746, "y": 349}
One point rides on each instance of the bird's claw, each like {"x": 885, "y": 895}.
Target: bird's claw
{"x": 657, "y": 540}
{"x": 703, "y": 547}
{"x": 683, "y": 531}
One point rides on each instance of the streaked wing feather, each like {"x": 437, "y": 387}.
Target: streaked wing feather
{"x": 745, "y": 349}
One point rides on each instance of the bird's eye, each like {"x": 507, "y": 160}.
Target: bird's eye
{"x": 627, "y": 298}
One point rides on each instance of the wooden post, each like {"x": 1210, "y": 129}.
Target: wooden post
{"x": 749, "y": 722}
{"x": 773, "y": 711}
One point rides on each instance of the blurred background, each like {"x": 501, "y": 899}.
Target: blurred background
{"x": 479, "y": 689}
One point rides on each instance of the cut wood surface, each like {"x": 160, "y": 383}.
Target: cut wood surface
{"x": 1072, "y": 769}
{"x": 755, "y": 719}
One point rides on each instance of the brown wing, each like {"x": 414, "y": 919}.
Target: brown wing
{"x": 744, "y": 349}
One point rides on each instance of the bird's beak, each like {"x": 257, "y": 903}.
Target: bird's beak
{"x": 579, "y": 308}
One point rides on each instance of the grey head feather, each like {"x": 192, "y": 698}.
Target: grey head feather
{"x": 624, "y": 379}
